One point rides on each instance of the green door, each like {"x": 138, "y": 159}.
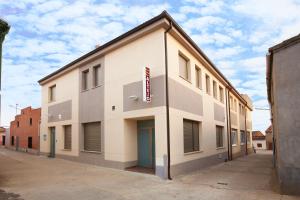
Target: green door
{"x": 52, "y": 142}
{"x": 146, "y": 144}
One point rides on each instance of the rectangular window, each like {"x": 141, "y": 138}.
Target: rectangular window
{"x": 233, "y": 136}
{"x": 52, "y": 93}
{"x": 207, "y": 82}
{"x": 259, "y": 145}
{"x": 240, "y": 108}
{"x": 235, "y": 105}
{"x": 231, "y": 102}
{"x": 18, "y": 124}
{"x": 198, "y": 77}
{"x": 30, "y": 121}
{"x": 183, "y": 67}
{"x": 92, "y": 136}
{"x": 68, "y": 137}
{"x": 85, "y": 77}
{"x": 221, "y": 93}
{"x": 243, "y": 137}
{"x": 12, "y": 142}
{"x": 191, "y": 136}
{"x": 97, "y": 75}
{"x": 215, "y": 89}
{"x": 219, "y": 136}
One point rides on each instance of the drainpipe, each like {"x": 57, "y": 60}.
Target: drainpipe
{"x": 229, "y": 126}
{"x": 167, "y": 100}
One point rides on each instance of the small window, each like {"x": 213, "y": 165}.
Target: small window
{"x": 30, "y": 121}
{"x": 12, "y": 142}
{"x": 243, "y": 137}
{"x": 231, "y": 103}
{"x": 191, "y": 136}
{"x": 235, "y": 105}
{"x": 207, "y": 82}
{"x": 219, "y": 136}
{"x": 183, "y": 67}
{"x": 97, "y": 75}
{"x": 240, "y": 108}
{"x": 18, "y": 124}
{"x": 233, "y": 136}
{"x": 198, "y": 77}
{"x": 215, "y": 89}
{"x": 221, "y": 93}
{"x": 68, "y": 137}
{"x": 85, "y": 75}
{"x": 259, "y": 145}
{"x": 52, "y": 93}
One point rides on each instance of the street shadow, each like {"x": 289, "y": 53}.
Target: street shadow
{"x": 9, "y": 196}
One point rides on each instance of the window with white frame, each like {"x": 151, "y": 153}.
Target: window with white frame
{"x": 234, "y": 137}
{"x": 242, "y": 137}
{"x": 183, "y": 67}
{"x": 52, "y": 93}
{"x": 191, "y": 136}
{"x": 219, "y": 136}
{"x": 198, "y": 77}
{"x": 207, "y": 83}
{"x": 221, "y": 94}
{"x": 215, "y": 90}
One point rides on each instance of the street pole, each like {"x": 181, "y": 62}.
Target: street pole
{"x": 4, "y": 28}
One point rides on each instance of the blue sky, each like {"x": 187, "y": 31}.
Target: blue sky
{"x": 235, "y": 35}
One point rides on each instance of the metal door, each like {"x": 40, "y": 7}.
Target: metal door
{"x": 52, "y": 142}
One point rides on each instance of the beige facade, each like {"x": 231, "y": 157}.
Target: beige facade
{"x": 130, "y": 128}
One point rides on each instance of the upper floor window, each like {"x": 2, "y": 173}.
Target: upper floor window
{"x": 183, "y": 67}
{"x": 235, "y": 105}
{"x": 97, "y": 75}
{"x": 85, "y": 75}
{"x": 52, "y": 93}
{"x": 198, "y": 77}
{"x": 221, "y": 93}
{"x": 215, "y": 89}
{"x": 207, "y": 83}
{"x": 18, "y": 124}
{"x": 30, "y": 121}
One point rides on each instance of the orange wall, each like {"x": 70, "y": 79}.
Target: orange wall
{"x": 26, "y": 130}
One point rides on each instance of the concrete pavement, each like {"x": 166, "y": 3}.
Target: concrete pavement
{"x": 38, "y": 177}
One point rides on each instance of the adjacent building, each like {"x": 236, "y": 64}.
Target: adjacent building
{"x": 149, "y": 98}
{"x": 269, "y": 138}
{"x": 283, "y": 83}
{"x": 24, "y": 130}
{"x": 259, "y": 140}
{"x": 2, "y": 136}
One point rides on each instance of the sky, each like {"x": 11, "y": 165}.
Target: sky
{"x": 45, "y": 35}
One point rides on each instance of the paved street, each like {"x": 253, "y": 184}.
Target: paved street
{"x": 24, "y": 176}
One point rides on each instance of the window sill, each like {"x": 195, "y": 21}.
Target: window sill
{"x": 85, "y": 90}
{"x": 219, "y": 148}
{"x": 187, "y": 80}
{"x": 242, "y": 144}
{"x": 66, "y": 149}
{"x": 95, "y": 152}
{"x": 234, "y": 145}
{"x": 97, "y": 86}
{"x": 193, "y": 152}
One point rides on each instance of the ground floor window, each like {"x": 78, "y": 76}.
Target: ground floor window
{"x": 248, "y": 136}
{"x": 29, "y": 143}
{"x": 12, "y": 142}
{"x": 191, "y": 136}
{"x": 259, "y": 145}
{"x": 234, "y": 136}
{"x": 243, "y": 137}
{"x": 68, "y": 137}
{"x": 219, "y": 136}
{"x": 92, "y": 136}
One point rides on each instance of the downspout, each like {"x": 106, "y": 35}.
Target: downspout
{"x": 229, "y": 122}
{"x": 167, "y": 100}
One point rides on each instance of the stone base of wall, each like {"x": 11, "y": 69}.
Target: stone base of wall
{"x": 289, "y": 180}
{"x": 198, "y": 164}
{"x": 30, "y": 151}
